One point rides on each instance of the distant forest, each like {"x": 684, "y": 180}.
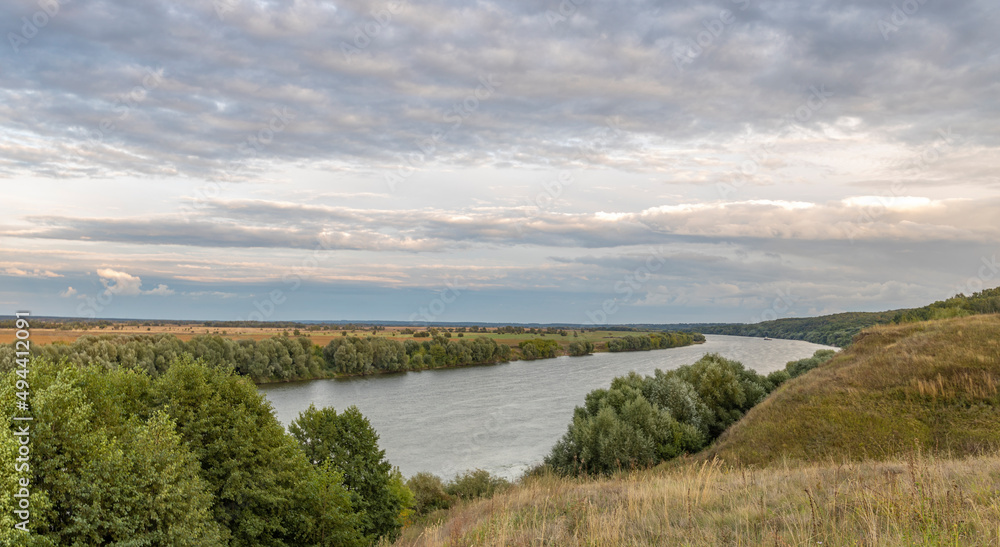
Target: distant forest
{"x": 839, "y": 329}
{"x": 288, "y": 358}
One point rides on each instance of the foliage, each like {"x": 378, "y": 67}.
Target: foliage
{"x": 538, "y": 349}
{"x": 987, "y": 301}
{"x": 839, "y": 329}
{"x": 640, "y": 421}
{"x": 280, "y": 358}
{"x": 476, "y": 484}
{"x": 832, "y": 330}
{"x": 795, "y": 369}
{"x": 577, "y": 349}
{"x": 192, "y": 457}
{"x": 348, "y": 443}
{"x": 650, "y": 341}
{"x": 429, "y": 493}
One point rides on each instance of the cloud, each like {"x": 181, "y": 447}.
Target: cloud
{"x": 124, "y": 284}
{"x": 160, "y": 290}
{"x": 262, "y": 224}
{"x": 68, "y": 293}
{"x": 167, "y": 108}
{"x": 120, "y": 283}
{"x": 30, "y": 273}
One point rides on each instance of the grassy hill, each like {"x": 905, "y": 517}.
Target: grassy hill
{"x": 932, "y": 386}
{"x": 893, "y": 442}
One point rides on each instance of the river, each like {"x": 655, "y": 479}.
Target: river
{"x": 502, "y": 418}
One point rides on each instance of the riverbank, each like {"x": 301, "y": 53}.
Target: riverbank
{"x": 344, "y": 375}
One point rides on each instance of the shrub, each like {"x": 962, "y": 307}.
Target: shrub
{"x": 429, "y": 493}
{"x": 641, "y": 421}
{"x": 577, "y": 349}
{"x": 476, "y": 484}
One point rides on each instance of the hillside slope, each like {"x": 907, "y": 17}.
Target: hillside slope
{"x": 932, "y": 385}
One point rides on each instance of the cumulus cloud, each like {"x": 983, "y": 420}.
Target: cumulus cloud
{"x": 124, "y": 284}
{"x": 68, "y": 293}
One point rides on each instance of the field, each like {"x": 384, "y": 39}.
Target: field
{"x": 893, "y": 442}
{"x": 320, "y": 337}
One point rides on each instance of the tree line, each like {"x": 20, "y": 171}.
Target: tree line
{"x": 839, "y": 329}
{"x": 654, "y": 340}
{"x": 279, "y": 358}
{"x": 287, "y": 358}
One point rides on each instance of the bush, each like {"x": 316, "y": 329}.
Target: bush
{"x": 797, "y": 368}
{"x": 641, "y": 421}
{"x": 476, "y": 484}
{"x": 539, "y": 349}
{"x": 577, "y": 349}
{"x": 429, "y": 493}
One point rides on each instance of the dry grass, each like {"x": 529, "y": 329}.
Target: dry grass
{"x": 920, "y": 501}
{"x": 937, "y": 382}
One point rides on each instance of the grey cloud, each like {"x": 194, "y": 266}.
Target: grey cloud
{"x": 255, "y": 223}
{"x": 222, "y": 78}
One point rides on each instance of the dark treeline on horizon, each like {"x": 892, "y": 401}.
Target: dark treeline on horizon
{"x": 289, "y": 358}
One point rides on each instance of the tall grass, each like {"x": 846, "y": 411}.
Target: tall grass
{"x": 922, "y": 500}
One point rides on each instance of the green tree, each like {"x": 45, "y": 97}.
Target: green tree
{"x": 348, "y": 442}
{"x": 103, "y": 473}
{"x": 254, "y": 470}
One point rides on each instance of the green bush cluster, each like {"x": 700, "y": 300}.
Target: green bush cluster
{"x": 640, "y": 421}
{"x": 431, "y": 493}
{"x": 193, "y": 456}
{"x": 651, "y": 341}
{"x": 538, "y": 349}
{"x": 577, "y": 349}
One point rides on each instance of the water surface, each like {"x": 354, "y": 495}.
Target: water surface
{"x": 502, "y": 418}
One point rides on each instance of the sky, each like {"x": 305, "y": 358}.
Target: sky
{"x": 574, "y": 161}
